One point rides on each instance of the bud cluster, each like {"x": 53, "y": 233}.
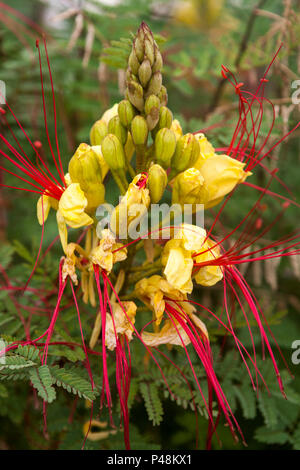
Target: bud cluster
{"x": 142, "y": 123}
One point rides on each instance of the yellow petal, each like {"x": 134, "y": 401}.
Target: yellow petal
{"x": 43, "y": 208}
{"x": 221, "y": 175}
{"x": 178, "y": 270}
{"x": 71, "y": 206}
{"x": 110, "y": 113}
{"x": 167, "y": 335}
{"x": 120, "y": 324}
{"x": 62, "y": 230}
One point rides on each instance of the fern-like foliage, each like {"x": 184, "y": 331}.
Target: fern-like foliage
{"x": 73, "y": 383}
{"x": 153, "y": 402}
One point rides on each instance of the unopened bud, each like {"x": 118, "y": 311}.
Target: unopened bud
{"x": 145, "y": 72}
{"x": 165, "y": 118}
{"x": 138, "y": 46}
{"x": 135, "y": 95}
{"x": 165, "y": 144}
{"x": 126, "y": 112}
{"x": 151, "y": 102}
{"x": 115, "y": 127}
{"x": 139, "y": 130}
{"x": 98, "y": 132}
{"x": 186, "y": 153}
{"x": 163, "y": 96}
{"x": 157, "y": 182}
{"x": 158, "y": 63}
{"x": 150, "y": 50}
{"x": 154, "y": 86}
{"x": 133, "y": 62}
{"x": 113, "y": 152}
{"x": 152, "y": 105}
{"x": 84, "y": 168}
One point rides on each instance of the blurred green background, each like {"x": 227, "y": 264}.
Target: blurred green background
{"x": 199, "y": 36}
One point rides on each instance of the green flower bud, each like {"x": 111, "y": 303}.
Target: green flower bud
{"x": 115, "y": 127}
{"x": 165, "y": 117}
{"x": 157, "y": 182}
{"x": 98, "y": 132}
{"x": 145, "y": 72}
{"x": 150, "y": 49}
{"x": 126, "y": 112}
{"x": 165, "y": 144}
{"x": 84, "y": 167}
{"x": 133, "y": 62}
{"x": 154, "y": 84}
{"x": 139, "y": 130}
{"x": 138, "y": 46}
{"x": 152, "y": 118}
{"x": 186, "y": 153}
{"x": 151, "y": 102}
{"x": 130, "y": 77}
{"x": 135, "y": 94}
{"x": 152, "y": 105}
{"x": 113, "y": 152}
{"x": 158, "y": 64}
{"x": 163, "y": 96}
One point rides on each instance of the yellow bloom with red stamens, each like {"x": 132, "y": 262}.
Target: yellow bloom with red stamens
{"x": 155, "y": 291}
{"x": 105, "y": 254}
{"x": 177, "y": 256}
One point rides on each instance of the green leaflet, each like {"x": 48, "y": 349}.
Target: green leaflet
{"x": 42, "y": 381}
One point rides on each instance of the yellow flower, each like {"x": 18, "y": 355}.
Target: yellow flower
{"x": 103, "y": 255}
{"x": 120, "y": 324}
{"x": 133, "y": 205}
{"x": 221, "y": 175}
{"x": 177, "y": 256}
{"x": 152, "y": 291}
{"x": 211, "y": 274}
{"x": 70, "y": 211}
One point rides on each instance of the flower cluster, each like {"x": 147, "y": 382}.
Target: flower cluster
{"x": 167, "y": 163}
